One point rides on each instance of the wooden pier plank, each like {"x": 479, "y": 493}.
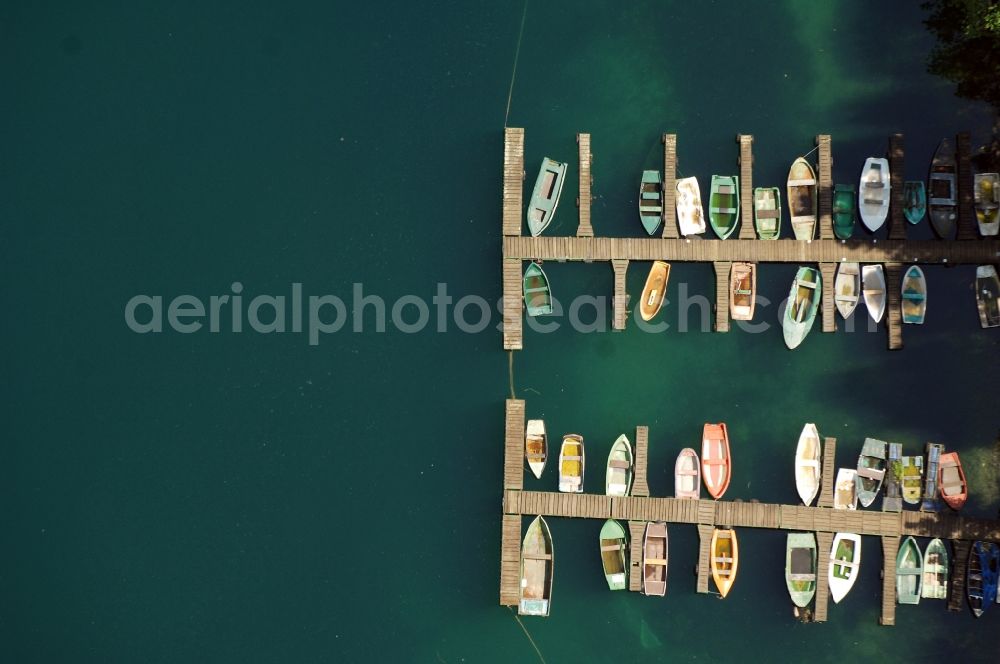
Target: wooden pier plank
{"x": 513, "y": 180}
{"x": 747, "y": 231}
{"x": 824, "y": 176}
{"x": 967, "y": 226}
{"x": 586, "y": 181}
{"x": 670, "y": 229}
{"x": 620, "y": 313}
{"x": 704, "y": 551}
{"x": 824, "y": 543}
{"x": 636, "y": 529}
{"x": 639, "y": 485}
{"x": 828, "y": 273}
{"x": 722, "y": 269}
{"x": 510, "y": 560}
{"x": 956, "y": 579}
{"x": 513, "y": 301}
{"x": 890, "y": 546}
{"x": 897, "y": 222}
{"x": 513, "y": 452}
{"x": 829, "y": 472}
{"x": 894, "y": 314}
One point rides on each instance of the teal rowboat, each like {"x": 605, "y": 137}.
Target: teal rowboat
{"x": 724, "y": 205}
{"x": 914, "y": 201}
{"x": 767, "y": 212}
{"x": 871, "y": 470}
{"x": 803, "y": 302}
{"x": 800, "y": 567}
{"x": 613, "y": 544}
{"x": 909, "y": 570}
{"x": 844, "y": 202}
{"x": 651, "y": 201}
{"x": 545, "y": 196}
{"x": 935, "y": 576}
{"x": 537, "y": 297}
{"x": 914, "y": 292}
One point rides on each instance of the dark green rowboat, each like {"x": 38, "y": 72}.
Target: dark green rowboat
{"x": 843, "y": 211}
{"x": 724, "y": 205}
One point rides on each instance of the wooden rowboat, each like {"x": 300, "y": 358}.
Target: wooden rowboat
{"x": 847, "y": 288}
{"x": 874, "y": 192}
{"x": 909, "y": 572}
{"x": 988, "y": 296}
{"x": 951, "y": 480}
{"x": 654, "y": 559}
{"x": 545, "y": 195}
{"x": 537, "y": 295}
{"x": 651, "y": 201}
{"x": 654, "y": 291}
{"x": 802, "y": 199}
{"x": 942, "y": 190}
{"x": 914, "y": 296}
{"x": 613, "y": 544}
{"x": 871, "y": 470}
{"x": 724, "y": 205}
{"x": 845, "y": 562}
{"x": 808, "y": 458}
{"x": 935, "y": 577}
{"x": 914, "y": 201}
{"x": 725, "y": 559}
{"x": 987, "y": 201}
{"x": 873, "y": 289}
{"x": 571, "y": 464}
{"x": 844, "y": 202}
{"x": 767, "y": 212}
{"x": 742, "y": 290}
{"x": 690, "y": 213}
{"x": 845, "y": 490}
{"x": 536, "y": 447}
{"x": 687, "y": 475}
{"x": 802, "y": 305}
{"x": 618, "y": 480}
{"x": 537, "y": 562}
{"x": 716, "y": 465}
{"x": 800, "y": 567}
{"x": 931, "y": 500}
{"x": 981, "y": 576}
{"x": 912, "y": 480}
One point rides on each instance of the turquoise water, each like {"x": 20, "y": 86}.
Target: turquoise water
{"x": 251, "y": 497}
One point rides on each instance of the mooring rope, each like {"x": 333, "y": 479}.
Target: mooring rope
{"x": 528, "y": 634}
{"x": 517, "y": 53}
{"x": 510, "y": 372}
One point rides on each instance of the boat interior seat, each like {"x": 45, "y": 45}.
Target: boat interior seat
{"x": 810, "y": 463}
{"x": 802, "y": 577}
{"x": 871, "y": 473}
{"x": 611, "y": 547}
{"x": 572, "y": 458}
{"x": 535, "y": 455}
{"x": 652, "y": 208}
{"x": 767, "y": 214}
{"x": 717, "y": 210}
{"x": 651, "y": 195}
{"x": 687, "y": 472}
{"x": 715, "y": 462}
{"x": 808, "y": 182}
{"x": 723, "y": 559}
{"x": 537, "y": 556}
{"x": 654, "y": 561}
{"x": 726, "y": 189}
{"x": 874, "y": 184}
{"x": 873, "y": 201}
{"x": 618, "y": 463}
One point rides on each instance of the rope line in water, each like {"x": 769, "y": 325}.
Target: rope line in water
{"x": 510, "y": 372}
{"x": 527, "y": 634}
{"x": 517, "y": 53}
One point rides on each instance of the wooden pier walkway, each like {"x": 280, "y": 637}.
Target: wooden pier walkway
{"x": 636, "y": 533}
{"x": 890, "y": 546}
{"x": 585, "y": 198}
{"x": 722, "y": 269}
{"x": 897, "y": 222}
{"x": 829, "y": 472}
{"x": 956, "y": 577}
{"x": 893, "y": 313}
{"x": 967, "y": 226}
{"x": 513, "y": 180}
{"x": 747, "y": 231}
{"x": 513, "y": 301}
{"x": 670, "y": 186}
{"x": 640, "y": 487}
{"x": 620, "y": 303}
{"x": 824, "y": 177}
{"x": 824, "y": 544}
{"x": 828, "y": 310}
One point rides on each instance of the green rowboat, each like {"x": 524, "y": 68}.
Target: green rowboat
{"x": 545, "y": 196}
{"x": 613, "y": 545}
{"x": 914, "y": 201}
{"x": 537, "y": 297}
{"x": 800, "y": 567}
{"x": 767, "y": 212}
{"x": 651, "y": 201}
{"x": 909, "y": 570}
{"x": 844, "y": 201}
{"x": 935, "y": 576}
{"x": 724, "y": 205}
{"x": 803, "y": 302}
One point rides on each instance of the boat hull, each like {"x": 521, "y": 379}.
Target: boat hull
{"x": 942, "y": 190}
{"x": 655, "y": 290}
{"x": 913, "y": 293}
{"x": 742, "y": 291}
{"x": 724, "y": 205}
{"x": 690, "y": 212}
{"x": 987, "y": 201}
{"x": 802, "y": 199}
{"x": 536, "y": 447}
{"x": 914, "y": 201}
{"x": 874, "y": 192}
{"x": 725, "y": 558}
{"x": 618, "y": 480}
{"x": 767, "y": 212}
{"x": 537, "y": 293}
{"x": 572, "y": 464}
{"x": 687, "y": 475}
{"x": 844, "y": 200}
{"x": 801, "y": 306}
{"x": 988, "y": 296}
{"x": 909, "y": 572}
{"x": 951, "y": 481}
{"x": 845, "y": 562}
{"x": 537, "y": 566}
{"x": 801, "y": 567}
{"x": 716, "y": 464}
{"x": 873, "y": 290}
{"x": 545, "y": 196}
{"x": 654, "y": 559}
{"x": 808, "y": 460}
{"x": 651, "y": 201}
{"x": 847, "y": 288}
{"x": 614, "y": 543}
{"x": 935, "y": 574}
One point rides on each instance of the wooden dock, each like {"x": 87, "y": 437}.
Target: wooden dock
{"x": 893, "y": 313}
{"x": 704, "y": 553}
{"x": 639, "y": 485}
{"x": 620, "y": 304}
{"x": 824, "y": 177}
{"x": 890, "y": 546}
{"x": 513, "y": 301}
{"x": 747, "y": 231}
{"x": 510, "y": 559}
{"x": 636, "y": 533}
{"x": 897, "y": 222}
{"x": 722, "y": 269}
{"x": 956, "y": 578}
{"x": 670, "y": 186}
{"x": 968, "y": 229}
{"x": 513, "y": 180}
{"x": 585, "y": 198}
{"x": 824, "y": 544}
{"x": 828, "y": 310}
{"x": 829, "y": 473}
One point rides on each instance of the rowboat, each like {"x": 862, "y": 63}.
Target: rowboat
{"x": 981, "y": 577}
{"x": 845, "y": 562}
{"x": 654, "y": 291}
{"x": 843, "y": 211}
{"x": 800, "y": 567}
{"x": 651, "y": 201}
{"x": 767, "y": 212}
{"x": 914, "y": 201}
{"x": 690, "y": 213}
{"x": 571, "y": 464}
{"x": 845, "y": 490}
{"x": 935, "y": 583}
{"x": 871, "y": 470}
{"x": 537, "y": 563}
{"x": 801, "y": 307}
{"x": 654, "y": 559}
{"x": 716, "y": 464}
{"x": 808, "y": 463}
{"x": 847, "y": 288}
{"x": 912, "y": 480}
{"x": 909, "y": 572}
{"x": 951, "y": 480}
{"x": 536, "y": 447}
{"x": 537, "y": 296}
{"x": 619, "y": 475}
{"x": 742, "y": 291}
{"x": 802, "y": 200}
{"x": 987, "y": 200}
{"x": 613, "y": 544}
{"x": 545, "y": 195}
{"x": 725, "y": 559}
{"x": 914, "y": 296}
{"x": 724, "y": 205}
{"x": 930, "y": 502}
{"x": 942, "y": 190}
{"x": 687, "y": 475}
{"x": 873, "y": 289}
{"x": 873, "y": 193}
{"x": 892, "y": 498}
{"x": 988, "y": 296}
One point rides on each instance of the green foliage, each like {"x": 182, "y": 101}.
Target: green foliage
{"x": 968, "y": 48}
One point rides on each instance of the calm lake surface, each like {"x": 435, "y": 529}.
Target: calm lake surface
{"x": 238, "y": 496}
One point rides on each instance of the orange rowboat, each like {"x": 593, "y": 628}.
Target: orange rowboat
{"x": 951, "y": 479}
{"x": 725, "y": 559}
{"x": 716, "y": 466}
{"x": 654, "y": 291}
